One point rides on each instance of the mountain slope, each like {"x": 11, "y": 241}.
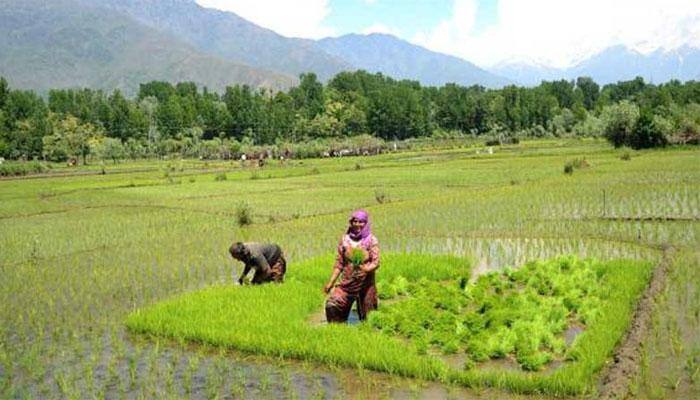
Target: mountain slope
{"x": 527, "y": 73}
{"x": 617, "y": 63}
{"x": 226, "y": 35}
{"x": 620, "y": 63}
{"x": 403, "y": 60}
{"x": 62, "y": 43}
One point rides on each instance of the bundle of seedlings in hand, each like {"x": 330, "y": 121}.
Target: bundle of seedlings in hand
{"x": 357, "y": 256}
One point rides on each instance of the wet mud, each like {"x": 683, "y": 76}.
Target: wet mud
{"x": 627, "y": 358}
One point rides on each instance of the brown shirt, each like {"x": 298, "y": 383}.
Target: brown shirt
{"x": 262, "y": 255}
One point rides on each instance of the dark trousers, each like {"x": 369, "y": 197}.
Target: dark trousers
{"x": 340, "y": 302}
{"x": 276, "y": 274}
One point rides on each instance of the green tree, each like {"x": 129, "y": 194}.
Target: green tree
{"x": 619, "y": 122}
{"x": 4, "y": 92}
{"x": 563, "y": 91}
{"x": 245, "y": 108}
{"x": 110, "y": 149}
{"x": 158, "y": 89}
{"x": 648, "y": 131}
{"x": 118, "y": 125}
{"x": 213, "y": 115}
{"x": 72, "y": 136}
{"x": 589, "y": 91}
{"x": 169, "y": 117}
{"x": 308, "y": 96}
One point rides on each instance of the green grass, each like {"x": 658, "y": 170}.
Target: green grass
{"x": 273, "y": 320}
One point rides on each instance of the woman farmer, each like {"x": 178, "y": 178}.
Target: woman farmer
{"x": 266, "y": 259}
{"x": 357, "y": 259}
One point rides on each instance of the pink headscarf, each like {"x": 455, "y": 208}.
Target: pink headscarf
{"x": 364, "y": 234}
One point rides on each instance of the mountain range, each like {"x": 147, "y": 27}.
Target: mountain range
{"x": 120, "y": 43}
{"x": 399, "y": 59}
{"x": 63, "y": 43}
{"x": 111, "y": 44}
{"x": 616, "y": 63}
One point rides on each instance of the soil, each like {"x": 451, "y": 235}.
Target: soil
{"x": 571, "y": 333}
{"x": 626, "y": 364}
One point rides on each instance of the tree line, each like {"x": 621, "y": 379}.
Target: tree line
{"x": 184, "y": 119}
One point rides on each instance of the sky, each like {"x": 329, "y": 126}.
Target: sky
{"x": 554, "y": 33}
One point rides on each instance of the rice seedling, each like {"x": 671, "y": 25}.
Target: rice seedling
{"x": 244, "y": 215}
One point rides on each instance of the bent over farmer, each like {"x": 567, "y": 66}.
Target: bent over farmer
{"x": 356, "y": 262}
{"x": 266, "y": 259}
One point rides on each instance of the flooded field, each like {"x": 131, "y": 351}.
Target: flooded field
{"x": 81, "y": 253}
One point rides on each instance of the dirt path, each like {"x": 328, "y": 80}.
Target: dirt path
{"x": 626, "y": 363}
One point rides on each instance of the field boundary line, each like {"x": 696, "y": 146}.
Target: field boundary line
{"x": 512, "y": 236}
{"x": 627, "y": 358}
{"x": 654, "y": 218}
{"x": 146, "y": 206}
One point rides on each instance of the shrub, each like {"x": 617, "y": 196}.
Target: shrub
{"x": 619, "y": 121}
{"x": 381, "y": 196}
{"x": 591, "y": 126}
{"x": 569, "y": 168}
{"x": 579, "y": 163}
{"x": 576, "y": 163}
{"x": 221, "y": 176}
{"x": 244, "y": 214}
{"x": 650, "y": 131}
{"x": 20, "y": 169}
{"x": 625, "y": 125}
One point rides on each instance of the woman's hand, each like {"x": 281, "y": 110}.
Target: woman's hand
{"x": 327, "y": 288}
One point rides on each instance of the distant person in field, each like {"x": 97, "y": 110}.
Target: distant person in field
{"x": 356, "y": 262}
{"x": 266, "y": 259}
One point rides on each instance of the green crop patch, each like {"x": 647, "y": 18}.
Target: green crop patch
{"x": 431, "y": 310}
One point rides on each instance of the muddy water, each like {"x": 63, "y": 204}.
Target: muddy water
{"x": 254, "y": 377}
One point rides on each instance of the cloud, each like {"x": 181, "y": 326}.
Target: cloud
{"x": 559, "y": 33}
{"x": 381, "y": 28}
{"x": 299, "y": 18}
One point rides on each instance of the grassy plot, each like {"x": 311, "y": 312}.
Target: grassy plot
{"x": 521, "y": 314}
{"x": 272, "y": 319}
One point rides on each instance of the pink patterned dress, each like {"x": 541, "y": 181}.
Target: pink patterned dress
{"x": 355, "y": 285}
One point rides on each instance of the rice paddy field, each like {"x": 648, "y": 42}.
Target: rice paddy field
{"x": 502, "y": 277}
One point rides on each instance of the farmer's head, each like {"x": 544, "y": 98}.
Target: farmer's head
{"x": 358, "y": 220}
{"x": 238, "y": 251}
{"x": 359, "y": 228}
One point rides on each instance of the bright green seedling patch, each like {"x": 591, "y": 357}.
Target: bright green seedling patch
{"x": 524, "y": 315}
{"x": 521, "y": 316}
{"x": 273, "y": 319}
